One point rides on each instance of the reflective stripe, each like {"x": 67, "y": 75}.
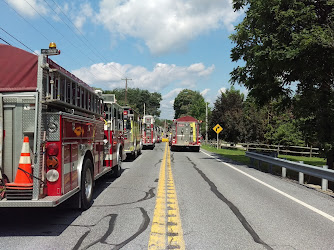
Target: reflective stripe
{"x": 107, "y": 157}
{"x": 67, "y": 168}
{"x": 25, "y": 160}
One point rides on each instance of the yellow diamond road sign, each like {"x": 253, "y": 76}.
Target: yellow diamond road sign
{"x": 218, "y": 129}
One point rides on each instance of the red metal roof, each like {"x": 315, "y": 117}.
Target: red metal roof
{"x": 187, "y": 119}
{"x": 18, "y": 69}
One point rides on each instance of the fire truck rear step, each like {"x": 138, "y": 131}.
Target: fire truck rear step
{"x": 19, "y": 194}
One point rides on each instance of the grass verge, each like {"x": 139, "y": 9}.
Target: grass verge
{"x": 239, "y": 156}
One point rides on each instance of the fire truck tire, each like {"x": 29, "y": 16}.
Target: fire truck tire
{"x": 117, "y": 170}
{"x": 87, "y": 184}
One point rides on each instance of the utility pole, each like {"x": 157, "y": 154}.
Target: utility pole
{"x": 126, "y": 88}
{"x": 206, "y": 124}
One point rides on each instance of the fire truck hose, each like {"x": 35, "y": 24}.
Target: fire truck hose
{"x": 32, "y": 175}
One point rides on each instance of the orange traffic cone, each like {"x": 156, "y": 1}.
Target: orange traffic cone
{"x": 23, "y": 179}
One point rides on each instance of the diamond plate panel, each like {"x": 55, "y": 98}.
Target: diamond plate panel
{"x": 9, "y": 100}
{"x": 28, "y": 120}
{"x": 52, "y": 125}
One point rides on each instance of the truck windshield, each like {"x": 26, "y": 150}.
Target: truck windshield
{"x": 127, "y": 124}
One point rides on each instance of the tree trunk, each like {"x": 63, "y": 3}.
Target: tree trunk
{"x": 330, "y": 162}
{"x": 330, "y": 159}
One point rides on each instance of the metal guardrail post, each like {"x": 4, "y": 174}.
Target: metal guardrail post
{"x": 301, "y": 176}
{"x": 283, "y": 172}
{"x": 324, "y": 182}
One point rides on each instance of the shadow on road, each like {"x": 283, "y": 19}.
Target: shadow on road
{"x": 28, "y": 221}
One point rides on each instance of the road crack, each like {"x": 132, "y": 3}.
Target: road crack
{"x": 233, "y": 208}
{"x": 112, "y": 222}
{"x": 148, "y": 195}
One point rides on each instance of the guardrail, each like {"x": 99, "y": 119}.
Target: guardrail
{"x": 324, "y": 173}
{"x": 280, "y": 149}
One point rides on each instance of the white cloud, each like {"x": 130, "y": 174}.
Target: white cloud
{"x": 167, "y": 103}
{"x": 27, "y": 7}
{"x": 172, "y": 93}
{"x": 85, "y": 11}
{"x": 221, "y": 90}
{"x": 166, "y": 25}
{"x": 204, "y": 92}
{"x": 109, "y": 75}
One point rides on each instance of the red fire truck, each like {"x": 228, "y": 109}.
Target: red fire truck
{"x": 149, "y": 132}
{"x": 113, "y": 134}
{"x": 185, "y": 134}
{"x": 63, "y": 119}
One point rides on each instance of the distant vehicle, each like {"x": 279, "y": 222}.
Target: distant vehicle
{"x": 158, "y": 134}
{"x": 132, "y": 129}
{"x": 149, "y": 133}
{"x": 185, "y": 134}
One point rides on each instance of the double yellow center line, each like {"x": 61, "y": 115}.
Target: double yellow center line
{"x": 166, "y": 231}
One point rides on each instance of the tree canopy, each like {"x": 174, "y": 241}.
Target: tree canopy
{"x": 228, "y": 113}
{"x": 189, "y": 102}
{"x": 288, "y": 48}
{"x": 137, "y": 97}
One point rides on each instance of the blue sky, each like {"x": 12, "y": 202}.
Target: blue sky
{"x": 162, "y": 45}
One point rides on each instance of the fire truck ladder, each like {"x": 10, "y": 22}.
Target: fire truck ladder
{"x": 64, "y": 89}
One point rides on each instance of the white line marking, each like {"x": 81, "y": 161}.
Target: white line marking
{"x": 327, "y": 216}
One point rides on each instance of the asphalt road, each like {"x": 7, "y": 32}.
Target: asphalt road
{"x": 221, "y": 206}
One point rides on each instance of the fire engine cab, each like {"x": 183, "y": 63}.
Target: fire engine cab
{"x": 132, "y": 138}
{"x": 60, "y": 122}
{"x": 149, "y": 133}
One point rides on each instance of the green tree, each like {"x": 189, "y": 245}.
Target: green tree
{"x": 137, "y": 97}
{"x": 254, "y": 121}
{"x": 228, "y": 113}
{"x": 289, "y": 45}
{"x": 189, "y": 102}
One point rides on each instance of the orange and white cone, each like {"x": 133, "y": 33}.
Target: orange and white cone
{"x": 23, "y": 177}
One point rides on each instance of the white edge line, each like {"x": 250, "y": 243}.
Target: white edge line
{"x": 327, "y": 216}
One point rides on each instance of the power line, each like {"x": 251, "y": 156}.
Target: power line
{"x": 126, "y": 88}
{"x": 56, "y": 29}
{"x": 25, "y": 20}
{"x": 91, "y": 46}
{"x": 94, "y": 76}
{"x": 5, "y": 41}
{"x": 18, "y": 41}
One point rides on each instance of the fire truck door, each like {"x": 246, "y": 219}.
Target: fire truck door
{"x": 18, "y": 121}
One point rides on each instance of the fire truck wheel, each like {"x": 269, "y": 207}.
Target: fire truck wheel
{"x": 117, "y": 170}
{"x": 87, "y": 184}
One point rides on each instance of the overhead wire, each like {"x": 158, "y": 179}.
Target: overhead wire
{"x": 90, "y": 72}
{"x": 90, "y": 45}
{"x": 25, "y": 20}
{"x": 17, "y": 40}
{"x": 5, "y": 41}
{"x": 94, "y": 76}
{"x": 56, "y": 29}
